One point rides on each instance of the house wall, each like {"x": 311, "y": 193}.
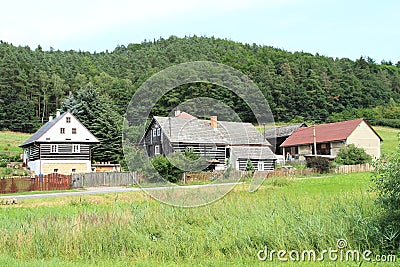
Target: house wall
{"x": 335, "y": 147}
{"x": 34, "y": 166}
{"x": 53, "y": 134}
{"x": 268, "y": 164}
{"x": 65, "y": 152}
{"x": 65, "y": 167}
{"x": 304, "y": 150}
{"x": 364, "y": 137}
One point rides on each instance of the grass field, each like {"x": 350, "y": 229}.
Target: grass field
{"x": 9, "y": 141}
{"x": 132, "y": 229}
{"x": 390, "y": 138}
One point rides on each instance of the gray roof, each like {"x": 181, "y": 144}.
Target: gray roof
{"x": 252, "y": 152}
{"x": 193, "y": 130}
{"x": 42, "y": 131}
{"x": 283, "y": 130}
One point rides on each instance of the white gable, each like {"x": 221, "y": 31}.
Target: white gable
{"x": 68, "y": 129}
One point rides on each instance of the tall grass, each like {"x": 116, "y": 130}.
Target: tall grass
{"x": 231, "y": 230}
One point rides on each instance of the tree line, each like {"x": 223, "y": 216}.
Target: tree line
{"x": 299, "y": 86}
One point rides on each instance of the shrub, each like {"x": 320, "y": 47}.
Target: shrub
{"x": 321, "y": 164}
{"x": 3, "y": 163}
{"x": 387, "y": 186}
{"x": 351, "y": 155}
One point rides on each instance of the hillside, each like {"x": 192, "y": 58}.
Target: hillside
{"x": 299, "y": 86}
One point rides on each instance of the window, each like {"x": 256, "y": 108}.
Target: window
{"x": 158, "y": 132}
{"x": 73, "y": 170}
{"x": 68, "y": 119}
{"x": 54, "y": 148}
{"x": 62, "y": 130}
{"x": 154, "y": 132}
{"x": 73, "y": 130}
{"x": 260, "y": 166}
{"x": 76, "y": 148}
{"x": 55, "y": 170}
{"x": 157, "y": 150}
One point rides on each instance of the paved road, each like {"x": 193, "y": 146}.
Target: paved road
{"x": 106, "y": 190}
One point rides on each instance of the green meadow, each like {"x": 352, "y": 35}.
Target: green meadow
{"x": 133, "y": 229}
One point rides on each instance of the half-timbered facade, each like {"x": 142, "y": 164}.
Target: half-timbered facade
{"x": 220, "y": 142}
{"x": 62, "y": 145}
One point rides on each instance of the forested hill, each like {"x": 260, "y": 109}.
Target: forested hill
{"x": 298, "y": 86}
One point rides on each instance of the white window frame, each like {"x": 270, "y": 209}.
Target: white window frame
{"x": 62, "y": 130}
{"x": 68, "y": 119}
{"x": 76, "y": 148}
{"x": 260, "y": 164}
{"x": 156, "y": 150}
{"x": 154, "y": 132}
{"x": 158, "y": 131}
{"x": 53, "y": 148}
{"x": 72, "y": 131}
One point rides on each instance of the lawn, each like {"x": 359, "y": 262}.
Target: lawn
{"x": 133, "y": 229}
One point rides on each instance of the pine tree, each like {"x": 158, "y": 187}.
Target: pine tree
{"x": 97, "y": 113}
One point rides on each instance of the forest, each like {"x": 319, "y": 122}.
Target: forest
{"x": 298, "y": 86}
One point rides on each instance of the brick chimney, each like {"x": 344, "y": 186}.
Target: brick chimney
{"x": 214, "y": 122}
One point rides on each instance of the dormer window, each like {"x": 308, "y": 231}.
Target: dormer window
{"x": 62, "y": 130}
{"x": 73, "y": 130}
{"x": 68, "y": 119}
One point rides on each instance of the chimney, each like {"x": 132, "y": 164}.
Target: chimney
{"x": 214, "y": 122}
{"x": 50, "y": 118}
{"x": 58, "y": 113}
{"x": 177, "y": 113}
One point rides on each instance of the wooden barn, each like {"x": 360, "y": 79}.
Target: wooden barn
{"x": 62, "y": 145}
{"x": 276, "y": 136}
{"x": 215, "y": 140}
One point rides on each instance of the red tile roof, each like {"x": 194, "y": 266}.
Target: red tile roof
{"x": 324, "y": 133}
{"x": 185, "y": 115}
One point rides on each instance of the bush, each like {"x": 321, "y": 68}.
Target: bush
{"x": 3, "y": 163}
{"x": 351, "y": 155}
{"x": 321, "y": 164}
{"x": 166, "y": 169}
{"x": 387, "y": 186}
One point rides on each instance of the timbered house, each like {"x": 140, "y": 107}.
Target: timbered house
{"x": 62, "y": 145}
{"x": 220, "y": 142}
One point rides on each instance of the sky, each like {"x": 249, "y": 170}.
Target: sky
{"x": 334, "y": 28}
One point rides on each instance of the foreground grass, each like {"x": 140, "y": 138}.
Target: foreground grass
{"x": 133, "y": 229}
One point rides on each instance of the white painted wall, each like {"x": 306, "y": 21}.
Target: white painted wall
{"x": 82, "y": 134}
{"x": 364, "y": 137}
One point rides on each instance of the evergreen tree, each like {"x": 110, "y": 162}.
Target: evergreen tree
{"x": 97, "y": 113}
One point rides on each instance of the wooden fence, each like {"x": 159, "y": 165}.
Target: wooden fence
{"x": 96, "y": 179}
{"x": 47, "y": 182}
{"x": 354, "y": 168}
{"x": 281, "y": 172}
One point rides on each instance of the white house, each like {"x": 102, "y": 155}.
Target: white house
{"x": 62, "y": 145}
